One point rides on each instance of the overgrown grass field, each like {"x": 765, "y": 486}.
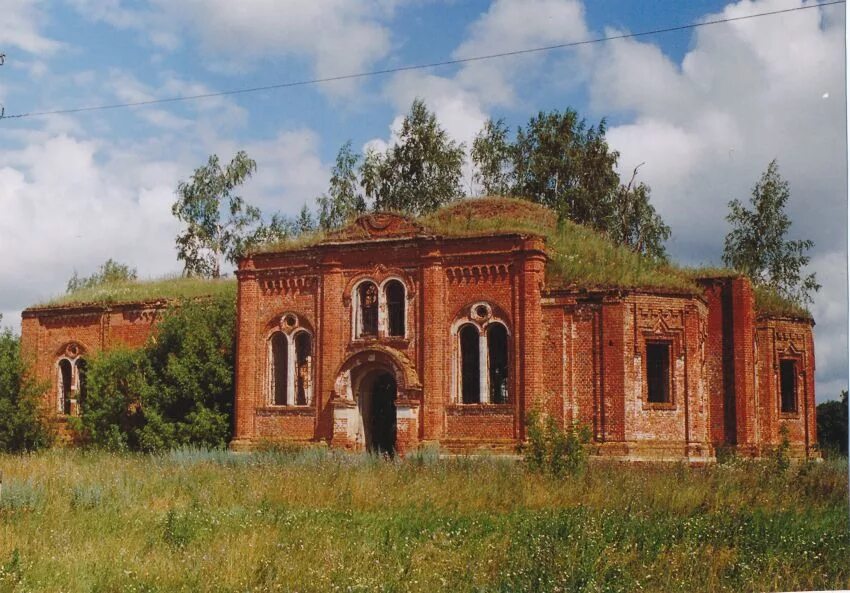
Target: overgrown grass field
{"x": 317, "y": 520}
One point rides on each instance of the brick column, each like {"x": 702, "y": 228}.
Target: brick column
{"x": 613, "y": 370}
{"x": 743, "y": 361}
{"x": 530, "y": 326}
{"x": 247, "y": 366}
{"x": 434, "y": 331}
{"x": 331, "y": 340}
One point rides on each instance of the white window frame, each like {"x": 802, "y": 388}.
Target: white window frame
{"x": 482, "y": 323}
{"x": 290, "y": 336}
{"x": 383, "y": 310}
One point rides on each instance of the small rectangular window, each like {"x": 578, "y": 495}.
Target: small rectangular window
{"x": 788, "y": 385}
{"x": 658, "y": 373}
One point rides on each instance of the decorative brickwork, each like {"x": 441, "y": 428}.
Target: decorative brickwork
{"x": 384, "y": 336}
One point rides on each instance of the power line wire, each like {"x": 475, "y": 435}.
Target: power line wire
{"x": 283, "y": 85}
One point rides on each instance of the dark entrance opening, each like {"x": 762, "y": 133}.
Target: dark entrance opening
{"x": 377, "y": 406}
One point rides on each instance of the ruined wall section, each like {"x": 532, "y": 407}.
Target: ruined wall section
{"x": 787, "y": 339}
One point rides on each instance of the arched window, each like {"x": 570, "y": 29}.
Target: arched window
{"x": 279, "y": 368}
{"x": 66, "y": 382}
{"x": 470, "y": 364}
{"x": 303, "y": 368}
{"x": 82, "y": 369}
{"x": 497, "y": 354}
{"x": 394, "y": 291}
{"x": 367, "y": 294}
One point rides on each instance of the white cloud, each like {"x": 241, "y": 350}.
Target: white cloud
{"x": 336, "y": 36}
{"x": 20, "y": 27}
{"x": 746, "y": 92}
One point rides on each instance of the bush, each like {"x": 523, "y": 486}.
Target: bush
{"x": 832, "y": 425}
{"x": 23, "y": 423}
{"x": 553, "y": 450}
{"x": 177, "y": 391}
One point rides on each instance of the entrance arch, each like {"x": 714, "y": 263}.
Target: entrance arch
{"x": 377, "y": 391}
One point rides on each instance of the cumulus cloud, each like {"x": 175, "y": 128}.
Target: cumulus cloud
{"x": 21, "y": 26}
{"x": 747, "y": 92}
{"x": 336, "y": 36}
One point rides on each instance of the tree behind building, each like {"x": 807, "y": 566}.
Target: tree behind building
{"x": 757, "y": 244}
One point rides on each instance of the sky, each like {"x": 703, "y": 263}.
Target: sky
{"x": 705, "y": 110}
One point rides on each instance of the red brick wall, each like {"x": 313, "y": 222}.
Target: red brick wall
{"x": 48, "y": 332}
{"x": 777, "y": 339}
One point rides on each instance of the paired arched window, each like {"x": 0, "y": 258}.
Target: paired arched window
{"x": 482, "y": 359}
{"x": 290, "y": 369}
{"x": 71, "y": 386}
{"x": 380, "y": 310}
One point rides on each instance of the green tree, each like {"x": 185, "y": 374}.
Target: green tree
{"x": 418, "y": 174}
{"x": 178, "y": 390}
{"x": 212, "y": 236}
{"x": 305, "y": 223}
{"x": 119, "y": 385}
{"x": 23, "y": 423}
{"x": 757, "y": 246}
{"x": 344, "y": 198}
{"x": 493, "y": 156}
{"x": 635, "y": 222}
{"x": 832, "y": 420}
{"x": 558, "y": 160}
{"x": 111, "y": 271}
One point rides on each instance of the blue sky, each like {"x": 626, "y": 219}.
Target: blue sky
{"x": 705, "y": 110}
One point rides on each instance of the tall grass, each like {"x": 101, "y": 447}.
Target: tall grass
{"x": 319, "y": 520}
{"x": 146, "y": 290}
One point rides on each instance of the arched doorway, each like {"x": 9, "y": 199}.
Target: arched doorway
{"x": 376, "y": 400}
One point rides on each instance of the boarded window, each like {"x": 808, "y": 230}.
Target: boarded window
{"x": 279, "y": 370}
{"x": 66, "y": 378}
{"x": 368, "y": 295}
{"x": 470, "y": 365}
{"x": 658, "y": 373}
{"x": 303, "y": 362}
{"x": 788, "y": 385}
{"x": 497, "y": 350}
{"x": 395, "y": 308}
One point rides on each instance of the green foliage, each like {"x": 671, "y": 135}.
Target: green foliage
{"x": 119, "y": 381}
{"x": 23, "y": 423}
{"x": 110, "y": 272}
{"x": 832, "y": 425}
{"x": 757, "y": 246}
{"x": 344, "y": 198}
{"x": 780, "y": 457}
{"x": 559, "y": 161}
{"x": 220, "y": 521}
{"x": 176, "y": 391}
{"x": 418, "y": 174}
{"x": 772, "y": 303}
{"x": 635, "y": 222}
{"x": 211, "y": 235}
{"x": 148, "y": 290}
{"x": 553, "y": 450}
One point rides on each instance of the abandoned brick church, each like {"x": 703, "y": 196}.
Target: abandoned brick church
{"x": 449, "y": 329}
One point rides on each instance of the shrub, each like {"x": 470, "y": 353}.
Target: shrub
{"x": 553, "y": 450}
{"x": 177, "y": 391}
{"x": 781, "y": 459}
{"x": 23, "y": 423}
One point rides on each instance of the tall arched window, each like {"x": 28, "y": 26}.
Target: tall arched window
{"x": 280, "y": 368}
{"x": 367, "y": 294}
{"x": 497, "y": 354}
{"x": 66, "y": 382}
{"x": 394, "y": 291}
{"x": 470, "y": 364}
{"x": 303, "y": 368}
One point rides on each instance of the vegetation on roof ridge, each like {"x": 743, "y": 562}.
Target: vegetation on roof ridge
{"x": 131, "y": 291}
{"x": 772, "y": 304}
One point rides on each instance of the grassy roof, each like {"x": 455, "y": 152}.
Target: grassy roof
{"x": 579, "y": 258}
{"x": 145, "y": 290}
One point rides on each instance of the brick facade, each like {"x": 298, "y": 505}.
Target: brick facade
{"x": 330, "y": 349}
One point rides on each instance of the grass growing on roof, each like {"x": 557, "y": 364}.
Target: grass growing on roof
{"x": 579, "y": 257}
{"x": 146, "y": 290}
{"x": 769, "y": 302}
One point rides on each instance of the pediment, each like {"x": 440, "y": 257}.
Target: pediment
{"x": 388, "y": 224}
